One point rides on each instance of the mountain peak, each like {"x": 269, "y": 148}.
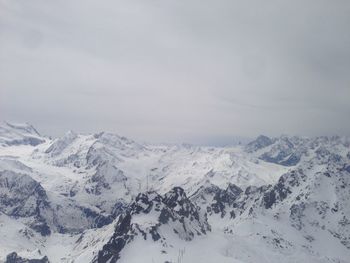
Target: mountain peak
{"x": 19, "y": 134}
{"x": 260, "y": 142}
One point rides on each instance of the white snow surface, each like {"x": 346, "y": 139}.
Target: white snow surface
{"x": 96, "y": 171}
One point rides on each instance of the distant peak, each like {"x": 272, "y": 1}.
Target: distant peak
{"x": 263, "y": 137}
{"x": 260, "y": 142}
{"x": 70, "y": 134}
{"x": 26, "y": 127}
{"x": 19, "y": 134}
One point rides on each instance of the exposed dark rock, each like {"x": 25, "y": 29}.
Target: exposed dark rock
{"x": 22, "y": 196}
{"x": 26, "y": 141}
{"x": 99, "y": 219}
{"x": 14, "y": 258}
{"x": 296, "y": 214}
{"x": 174, "y": 209}
{"x": 106, "y": 175}
{"x": 347, "y": 168}
{"x": 269, "y": 199}
{"x": 292, "y": 160}
{"x": 40, "y": 226}
{"x": 283, "y": 187}
{"x": 123, "y": 234}
{"x": 225, "y": 198}
{"x": 164, "y": 216}
{"x": 120, "y": 207}
{"x": 260, "y": 142}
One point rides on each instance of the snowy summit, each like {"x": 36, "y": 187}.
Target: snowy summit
{"x": 106, "y": 198}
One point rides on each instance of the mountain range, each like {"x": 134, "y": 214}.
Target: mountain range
{"x": 106, "y": 198}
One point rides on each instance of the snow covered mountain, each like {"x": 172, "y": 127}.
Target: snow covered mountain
{"x": 106, "y": 198}
{"x": 19, "y": 134}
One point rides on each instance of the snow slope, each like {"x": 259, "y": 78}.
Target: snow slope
{"x": 106, "y": 198}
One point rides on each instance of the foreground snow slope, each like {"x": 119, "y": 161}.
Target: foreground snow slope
{"x": 106, "y": 198}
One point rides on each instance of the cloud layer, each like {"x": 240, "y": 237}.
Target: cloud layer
{"x": 164, "y": 70}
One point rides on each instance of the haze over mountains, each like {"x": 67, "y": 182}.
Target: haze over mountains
{"x": 164, "y": 71}
{"x": 175, "y": 131}
{"x": 106, "y": 198}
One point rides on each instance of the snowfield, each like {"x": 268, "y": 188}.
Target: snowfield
{"x": 106, "y": 198}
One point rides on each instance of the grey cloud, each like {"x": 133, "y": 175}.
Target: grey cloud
{"x": 177, "y": 70}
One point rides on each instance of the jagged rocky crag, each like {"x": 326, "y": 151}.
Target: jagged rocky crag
{"x": 106, "y": 198}
{"x": 173, "y": 211}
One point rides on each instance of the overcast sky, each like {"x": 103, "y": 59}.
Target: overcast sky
{"x": 177, "y": 70}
